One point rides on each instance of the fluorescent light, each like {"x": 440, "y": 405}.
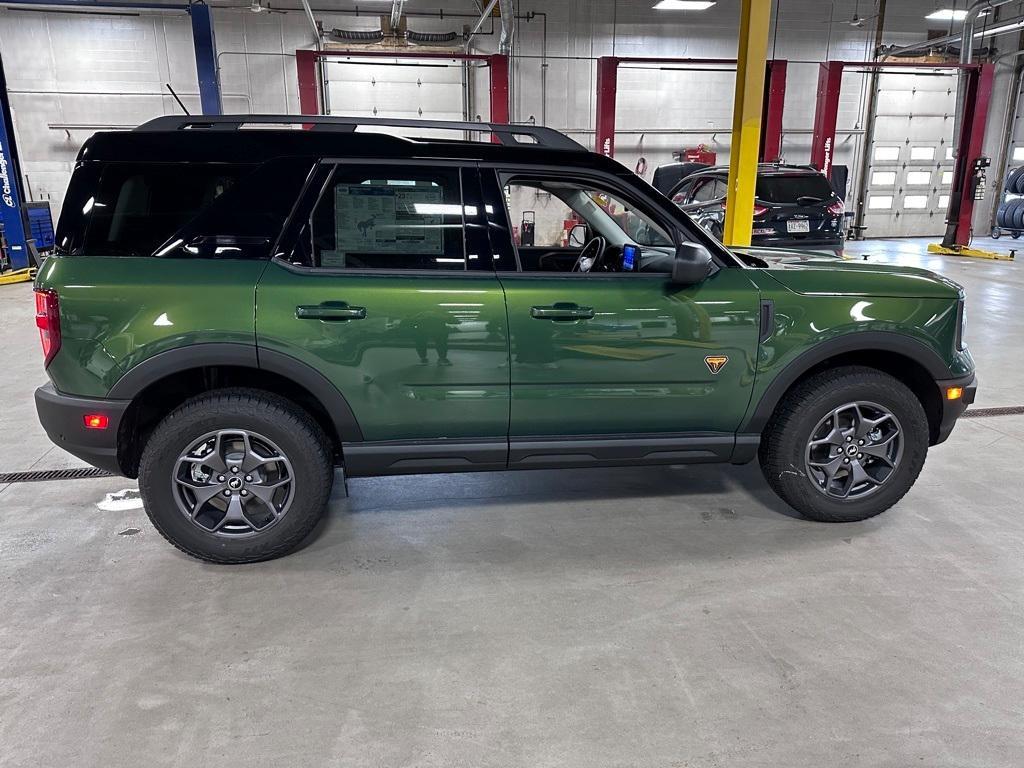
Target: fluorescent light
{"x": 1001, "y": 29}
{"x": 947, "y": 14}
{"x": 683, "y": 5}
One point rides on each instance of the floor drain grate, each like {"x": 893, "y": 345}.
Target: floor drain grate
{"x": 52, "y": 474}
{"x": 978, "y": 413}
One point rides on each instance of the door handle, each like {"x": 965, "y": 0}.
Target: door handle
{"x": 562, "y": 311}
{"x": 329, "y": 312}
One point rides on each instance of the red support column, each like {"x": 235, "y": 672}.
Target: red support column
{"x": 607, "y": 85}
{"x": 309, "y": 98}
{"x": 826, "y": 112}
{"x": 774, "y": 104}
{"x": 498, "y": 63}
{"x": 972, "y": 135}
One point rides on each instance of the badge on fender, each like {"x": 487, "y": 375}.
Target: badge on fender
{"x": 716, "y": 363}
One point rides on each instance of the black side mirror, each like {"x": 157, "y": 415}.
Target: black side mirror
{"x": 692, "y": 264}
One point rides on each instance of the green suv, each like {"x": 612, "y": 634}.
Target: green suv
{"x": 239, "y": 304}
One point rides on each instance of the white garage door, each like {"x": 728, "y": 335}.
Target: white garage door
{"x": 911, "y": 156}
{"x": 395, "y": 88}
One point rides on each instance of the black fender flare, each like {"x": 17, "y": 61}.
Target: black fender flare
{"x": 211, "y": 354}
{"x": 861, "y": 341}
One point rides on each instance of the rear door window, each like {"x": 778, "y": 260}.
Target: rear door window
{"x": 793, "y": 190}
{"x": 396, "y": 218}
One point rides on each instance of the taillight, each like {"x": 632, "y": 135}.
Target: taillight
{"x": 759, "y": 210}
{"x": 838, "y": 208}
{"x": 48, "y": 323}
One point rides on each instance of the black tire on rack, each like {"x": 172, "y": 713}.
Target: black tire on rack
{"x": 1017, "y": 212}
{"x": 1001, "y": 214}
{"x": 1012, "y": 214}
{"x": 1013, "y": 179}
{"x": 1007, "y": 211}
{"x": 1009, "y": 214}
{"x": 1018, "y": 182}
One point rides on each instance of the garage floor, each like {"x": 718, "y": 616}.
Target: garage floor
{"x": 653, "y": 617}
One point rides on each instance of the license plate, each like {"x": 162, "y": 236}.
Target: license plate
{"x": 798, "y": 226}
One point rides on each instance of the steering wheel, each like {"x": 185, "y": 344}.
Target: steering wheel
{"x": 590, "y": 255}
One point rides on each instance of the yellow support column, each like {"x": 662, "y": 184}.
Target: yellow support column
{"x": 755, "y": 16}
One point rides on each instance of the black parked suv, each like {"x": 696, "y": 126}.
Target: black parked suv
{"x": 794, "y": 206}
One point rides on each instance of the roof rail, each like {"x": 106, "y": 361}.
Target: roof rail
{"x": 508, "y": 135}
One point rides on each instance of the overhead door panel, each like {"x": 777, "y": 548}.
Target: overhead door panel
{"x": 911, "y": 155}
{"x": 398, "y": 89}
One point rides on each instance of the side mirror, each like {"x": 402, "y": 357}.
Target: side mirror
{"x": 692, "y": 264}
{"x": 578, "y": 236}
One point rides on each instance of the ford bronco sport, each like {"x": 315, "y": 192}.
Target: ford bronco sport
{"x": 232, "y": 313}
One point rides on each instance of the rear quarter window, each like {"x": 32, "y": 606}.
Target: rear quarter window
{"x": 138, "y": 206}
{"x": 182, "y": 210}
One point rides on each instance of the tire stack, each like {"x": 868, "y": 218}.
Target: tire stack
{"x": 1010, "y": 216}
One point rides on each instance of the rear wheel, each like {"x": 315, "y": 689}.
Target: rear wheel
{"x": 236, "y": 476}
{"x": 845, "y": 445}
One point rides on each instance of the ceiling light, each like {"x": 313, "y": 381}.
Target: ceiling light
{"x": 947, "y": 14}
{"x": 683, "y": 5}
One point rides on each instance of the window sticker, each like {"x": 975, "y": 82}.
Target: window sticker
{"x": 388, "y": 218}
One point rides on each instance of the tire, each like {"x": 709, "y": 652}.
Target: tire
{"x": 286, "y": 460}
{"x": 1018, "y": 181}
{"x": 1001, "y": 214}
{"x": 786, "y": 458}
{"x": 1013, "y": 179}
{"x": 996, "y": 234}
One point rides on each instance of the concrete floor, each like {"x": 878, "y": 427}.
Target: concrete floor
{"x": 654, "y": 617}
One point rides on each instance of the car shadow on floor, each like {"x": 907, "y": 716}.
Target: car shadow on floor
{"x": 635, "y": 516}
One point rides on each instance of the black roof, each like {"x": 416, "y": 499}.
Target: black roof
{"x": 226, "y": 139}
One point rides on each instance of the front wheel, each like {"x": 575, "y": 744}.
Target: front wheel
{"x": 236, "y": 476}
{"x": 845, "y": 445}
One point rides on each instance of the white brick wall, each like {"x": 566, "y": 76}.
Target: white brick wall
{"x": 50, "y": 56}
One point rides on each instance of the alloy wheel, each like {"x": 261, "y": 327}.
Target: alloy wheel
{"x": 854, "y": 450}
{"x": 233, "y": 483}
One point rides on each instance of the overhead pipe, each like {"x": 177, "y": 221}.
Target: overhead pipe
{"x": 966, "y": 57}
{"x": 508, "y": 27}
{"x": 396, "y": 13}
{"x": 480, "y": 22}
{"x": 312, "y": 23}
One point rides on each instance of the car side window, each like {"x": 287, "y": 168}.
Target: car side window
{"x": 539, "y": 219}
{"x": 705, "y": 191}
{"x": 138, "y": 206}
{"x": 380, "y": 217}
{"x": 682, "y": 194}
{"x": 576, "y": 205}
